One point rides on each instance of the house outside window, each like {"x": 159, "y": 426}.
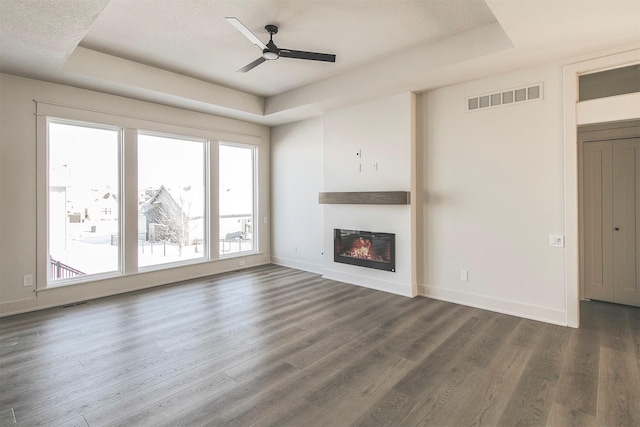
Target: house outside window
{"x": 116, "y": 200}
{"x": 83, "y": 200}
{"x": 171, "y": 201}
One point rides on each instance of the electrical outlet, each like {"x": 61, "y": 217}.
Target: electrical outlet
{"x": 295, "y": 249}
{"x": 241, "y": 262}
{"x": 464, "y": 275}
{"x": 27, "y": 280}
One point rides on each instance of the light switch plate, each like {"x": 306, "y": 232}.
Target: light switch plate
{"x": 556, "y": 240}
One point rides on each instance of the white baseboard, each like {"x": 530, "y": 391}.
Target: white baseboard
{"x": 58, "y": 296}
{"x": 542, "y": 314}
{"x": 403, "y": 289}
{"x": 18, "y": 306}
{"x": 298, "y": 265}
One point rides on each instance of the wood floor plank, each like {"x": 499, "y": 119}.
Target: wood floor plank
{"x": 531, "y": 401}
{"x": 427, "y": 333}
{"x": 413, "y": 384}
{"x": 7, "y": 417}
{"x": 445, "y": 398}
{"x": 491, "y": 393}
{"x": 618, "y": 389}
{"x": 99, "y": 396}
{"x": 490, "y": 343}
{"x": 76, "y": 422}
{"x": 388, "y": 412}
{"x": 257, "y": 406}
{"x": 462, "y": 372}
{"x": 526, "y": 333}
{"x": 273, "y": 346}
{"x": 103, "y": 389}
{"x": 419, "y": 384}
{"x": 612, "y": 322}
{"x": 560, "y": 415}
{"x": 173, "y": 398}
{"x": 348, "y": 406}
{"x": 578, "y": 388}
{"x": 295, "y": 412}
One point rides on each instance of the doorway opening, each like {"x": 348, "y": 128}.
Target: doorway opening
{"x": 609, "y": 211}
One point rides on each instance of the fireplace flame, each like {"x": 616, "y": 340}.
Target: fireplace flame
{"x": 361, "y": 248}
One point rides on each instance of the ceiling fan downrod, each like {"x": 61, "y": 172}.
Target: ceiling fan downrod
{"x": 271, "y": 52}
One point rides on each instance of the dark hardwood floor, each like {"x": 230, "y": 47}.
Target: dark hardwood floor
{"x": 271, "y": 346}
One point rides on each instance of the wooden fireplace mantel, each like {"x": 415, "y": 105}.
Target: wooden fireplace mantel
{"x": 366, "y": 198}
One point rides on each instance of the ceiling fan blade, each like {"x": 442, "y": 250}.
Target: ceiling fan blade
{"x": 314, "y": 56}
{"x": 247, "y": 33}
{"x": 251, "y": 66}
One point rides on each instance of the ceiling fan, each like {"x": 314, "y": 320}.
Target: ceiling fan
{"x": 270, "y": 51}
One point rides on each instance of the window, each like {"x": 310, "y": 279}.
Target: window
{"x": 84, "y": 200}
{"x": 120, "y": 195}
{"x": 171, "y": 199}
{"x": 236, "y": 198}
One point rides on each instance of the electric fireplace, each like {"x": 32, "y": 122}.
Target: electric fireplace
{"x": 365, "y": 248}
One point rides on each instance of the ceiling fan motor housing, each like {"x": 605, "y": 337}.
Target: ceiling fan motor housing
{"x": 271, "y": 52}
{"x": 271, "y": 29}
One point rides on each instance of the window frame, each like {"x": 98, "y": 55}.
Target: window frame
{"x": 254, "y": 182}
{"x": 206, "y": 165}
{"x": 51, "y": 283}
{"x": 130, "y": 126}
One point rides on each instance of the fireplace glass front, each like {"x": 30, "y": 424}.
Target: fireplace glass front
{"x": 365, "y": 249}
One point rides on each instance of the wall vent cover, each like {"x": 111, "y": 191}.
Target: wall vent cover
{"x": 505, "y": 97}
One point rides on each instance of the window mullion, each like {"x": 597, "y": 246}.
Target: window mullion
{"x": 42, "y": 219}
{"x": 214, "y": 202}
{"x": 129, "y": 213}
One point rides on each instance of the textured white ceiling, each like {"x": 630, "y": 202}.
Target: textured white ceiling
{"x": 192, "y": 38}
{"x": 184, "y": 53}
{"x": 37, "y": 36}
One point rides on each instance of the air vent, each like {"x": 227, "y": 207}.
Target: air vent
{"x": 505, "y": 97}
{"x": 73, "y": 304}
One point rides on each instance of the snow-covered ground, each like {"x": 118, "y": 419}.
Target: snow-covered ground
{"x": 94, "y": 252}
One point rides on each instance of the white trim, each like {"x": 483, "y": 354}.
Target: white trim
{"x": 498, "y": 305}
{"x": 255, "y": 183}
{"x": 298, "y": 265}
{"x": 571, "y": 73}
{"x": 610, "y": 109}
{"x": 403, "y": 289}
{"x": 129, "y": 127}
{"x": 54, "y": 109}
{"x": 27, "y": 305}
{"x": 23, "y": 305}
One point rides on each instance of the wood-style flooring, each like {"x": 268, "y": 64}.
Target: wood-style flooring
{"x": 272, "y": 346}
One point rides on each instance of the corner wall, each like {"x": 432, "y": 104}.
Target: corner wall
{"x": 296, "y": 179}
{"x": 18, "y": 193}
{"x": 493, "y": 192}
{"x": 381, "y": 132}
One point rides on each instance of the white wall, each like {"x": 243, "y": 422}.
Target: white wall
{"x": 18, "y": 196}
{"x": 382, "y": 132}
{"x": 296, "y": 179}
{"x": 493, "y": 192}
{"x": 320, "y": 155}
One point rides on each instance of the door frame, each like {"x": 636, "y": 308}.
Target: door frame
{"x": 583, "y": 113}
{"x": 609, "y": 131}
